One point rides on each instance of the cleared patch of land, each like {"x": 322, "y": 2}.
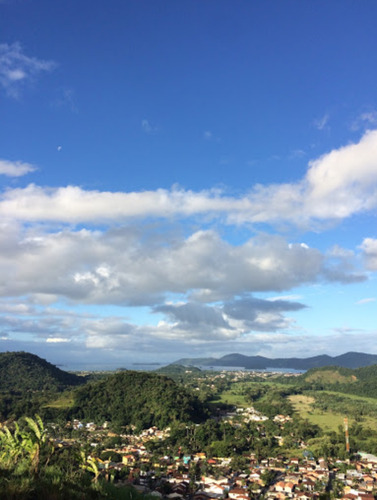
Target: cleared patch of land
{"x": 331, "y": 377}
{"x": 64, "y": 401}
{"x": 330, "y": 419}
{"x": 230, "y": 397}
{"x": 304, "y": 406}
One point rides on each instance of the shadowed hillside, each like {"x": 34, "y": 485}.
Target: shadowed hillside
{"x": 22, "y": 372}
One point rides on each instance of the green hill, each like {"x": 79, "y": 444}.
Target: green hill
{"x": 176, "y": 369}
{"x": 136, "y": 398}
{"x": 25, "y": 372}
{"x": 360, "y": 381}
{"x": 330, "y": 375}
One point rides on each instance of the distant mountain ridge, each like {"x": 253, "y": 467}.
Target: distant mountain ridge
{"x": 347, "y": 360}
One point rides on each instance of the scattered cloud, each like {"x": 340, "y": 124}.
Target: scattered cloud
{"x": 210, "y": 136}
{"x": 105, "y": 345}
{"x": 148, "y": 127}
{"x": 366, "y": 119}
{"x": 66, "y": 99}
{"x": 322, "y": 122}
{"x": 15, "y": 168}
{"x": 285, "y": 297}
{"x": 369, "y": 249}
{"x": 16, "y": 68}
{"x": 366, "y": 301}
{"x": 297, "y": 154}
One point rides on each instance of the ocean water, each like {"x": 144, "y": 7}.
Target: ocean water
{"x": 101, "y": 367}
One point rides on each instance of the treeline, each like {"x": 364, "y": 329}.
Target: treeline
{"x": 270, "y": 400}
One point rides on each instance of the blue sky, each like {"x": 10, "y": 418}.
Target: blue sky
{"x": 187, "y": 178}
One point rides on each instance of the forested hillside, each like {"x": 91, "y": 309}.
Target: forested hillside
{"x": 136, "y": 398}
{"x": 22, "y": 372}
{"x": 361, "y": 381}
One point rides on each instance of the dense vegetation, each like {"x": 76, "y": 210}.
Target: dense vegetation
{"x": 136, "y": 398}
{"x": 359, "y": 381}
{"x": 33, "y": 466}
{"x": 23, "y": 372}
{"x": 322, "y": 396}
{"x": 27, "y": 383}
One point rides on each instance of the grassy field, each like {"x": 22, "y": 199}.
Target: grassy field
{"x": 231, "y": 397}
{"x": 331, "y": 420}
{"x": 331, "y": 376}
{"x": 328, "y": 420}
{"x": 64, "y": 401}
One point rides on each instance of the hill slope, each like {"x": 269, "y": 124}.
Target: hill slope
{"x": 22, "y": 371}
{"x": 361, "y": 381}
{"x": 138, "y": 398}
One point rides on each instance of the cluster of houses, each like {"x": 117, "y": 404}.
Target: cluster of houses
{"x": 273, "y": 478}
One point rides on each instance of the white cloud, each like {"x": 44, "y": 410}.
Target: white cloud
{"x": 15, "y": 168}
{"x": 366, "y": 119}
{"x": 210, "y": 136}
{"x": 369, "y": 249}
{"x": 16, "y": 68}
{"x": 123, "y": 266}
{"x": 366, "y": 301}
{"x": 296, "y": 153}
{"x": 250, "y": 326}
{"x": 321, "y": 123}
{"x": 285, "y": 297}
{"x": 337, "y": 185}
{"x": 344, "y": 181}
{"x": 148, "y": 127}
{"x": 66, "y": 99}
{"x": 56, "y": 340}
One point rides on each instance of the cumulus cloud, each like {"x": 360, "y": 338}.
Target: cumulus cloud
{"x": 369, "y": 249}
{"x": 340, "y": 264}
{"x": 196, "y": 321}
{"x": 15, "y": 168}
{"x": 202, "y": 285}
{"x": 16, "y": 68}
{"x": 122, "y": 266}
{"x": 230, "y": 320}
{"x": 337, "y": 185}
{"x": 213, "y": 280}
